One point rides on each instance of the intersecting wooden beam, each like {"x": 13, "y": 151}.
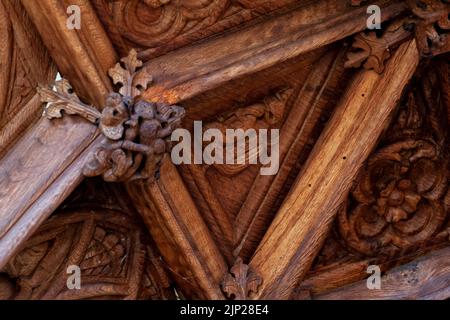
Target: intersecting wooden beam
{"x": 426, "y": 278}
{"x": 305, "y": 217}
{"x": 189, "y": 71}
{"x": 43, "y": 168}
{"x": 46, "y": 165}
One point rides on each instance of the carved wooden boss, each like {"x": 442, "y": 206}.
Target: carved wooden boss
{"x": 364, "y": 154}
{"x": 137, "y": 132}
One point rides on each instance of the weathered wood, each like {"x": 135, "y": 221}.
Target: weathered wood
{"x": 426, "y": 278}
{"x": 302, "y": 223}
{"x": 180, "y": 233}
{"x": 186, "y": 72}
{"x": 42, "y": 167}
{"x": 174, "y": 24}
{"x": 348, "y": 270}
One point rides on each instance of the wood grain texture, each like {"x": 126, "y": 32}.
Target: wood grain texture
{"x": 255, "y": 48}
{"x": 156, "y": 27}
{"x": 256, "y": 212}
{"x": 24, "y": 63}
{"x": 305, "y": 217}
{"x": 426, "y": 278}
{"x": 180, "y": 233}
{"x": 82, "y": 56}
{"x": 42, "y": 167}
{"x": 102, "y": 234}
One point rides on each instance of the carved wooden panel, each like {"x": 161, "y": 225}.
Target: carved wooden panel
{"x": 158, "y": 26}
{"x": 363, "y": 175}
{"x": 297, "y": 97}
{"x": 398, "y": 208}
{"x": 97, "y": 231}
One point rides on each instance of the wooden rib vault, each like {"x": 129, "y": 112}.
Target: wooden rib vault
{"x": 363, "y": 118}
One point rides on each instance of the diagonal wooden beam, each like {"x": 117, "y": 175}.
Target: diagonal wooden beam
{"x": 189, "y": 71}
{"x": 180, "y": 233}
{"x": 426, "y": 278}
{"x": 306, "y": 215}
{"x": 44, "y": 166}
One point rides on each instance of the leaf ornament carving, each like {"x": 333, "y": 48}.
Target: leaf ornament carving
{"x": 241, "y": 282}
{"x": 63, "y": 99}
{"x": 432, "y": 26}
{"x": 137, "y": 132}
{"x": 372, "y": 51}
{"x": 132, "y": 80}
{"x": 398, "y": 200}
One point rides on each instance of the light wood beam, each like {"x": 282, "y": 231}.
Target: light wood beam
{"x": 305, "y": 217}
{"x": 426, "y": 278}
{"x": 189, "y": 71}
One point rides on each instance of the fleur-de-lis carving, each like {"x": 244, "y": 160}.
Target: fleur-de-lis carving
{"x": 137, "y": 132}
{"x": 133, "y": 80}
{"x": 241, "y": 282}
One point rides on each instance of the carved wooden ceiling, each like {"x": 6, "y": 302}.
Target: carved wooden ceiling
{"x": 363, "y": 170}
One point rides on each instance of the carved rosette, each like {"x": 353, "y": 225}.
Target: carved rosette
{"x": 241, "y": 282}
{"x": 398, "y": 200}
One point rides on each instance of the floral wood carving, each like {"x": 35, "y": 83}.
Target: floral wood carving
{"x": 262, "y": 115}
{"x": 432, "y": 26}
{"x": 107, "y": 245}
{"x": 136, "y": 132}
{"x": 399, "y": 198}
{"x": 157, "y": 26}
{"x": 374, "y": 50}
{"x": 242, "y": 282}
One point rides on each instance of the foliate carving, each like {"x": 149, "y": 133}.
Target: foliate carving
{"x": 242, "y": 282}
{"x": 64, "y": 100}
{"x": 373, "y": 50}
{"x": 399, "y": 198}
{"x": 106, "y": 245}
{"x": 262, "y": 115}
{"x": 432, "y": 25}
{"x": 137, "y": 132}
